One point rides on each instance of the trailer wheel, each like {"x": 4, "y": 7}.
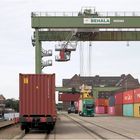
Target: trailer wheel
{"x": 69, "y": 112}
{"x": 26, "y": 130}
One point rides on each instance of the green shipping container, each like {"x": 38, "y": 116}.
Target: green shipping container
{"x": 128, "y": 110}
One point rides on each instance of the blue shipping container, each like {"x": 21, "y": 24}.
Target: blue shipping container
{"x": 111, "y": 101}
{"x": 128, "y": 110}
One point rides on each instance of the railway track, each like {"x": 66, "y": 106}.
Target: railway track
{"x": 36, "y": 134}
{"x": 86, "y": 129}
{"x": 103, "y": 131}
{"x": 7, "y": 126}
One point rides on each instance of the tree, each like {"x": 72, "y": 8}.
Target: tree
{"x": 12, "y": 103}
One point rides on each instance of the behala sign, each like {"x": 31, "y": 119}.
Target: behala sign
{"x": 96, "y": 20}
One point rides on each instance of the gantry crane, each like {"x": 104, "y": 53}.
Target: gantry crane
{"x": 87, "y": 25}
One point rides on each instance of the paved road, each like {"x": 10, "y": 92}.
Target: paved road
{"x": 68, "y": 129}
{"x": 98, "y": 127}
{"x": 75, "y": 127}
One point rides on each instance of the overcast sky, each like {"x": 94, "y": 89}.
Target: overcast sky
{"x": 17, "y": 53}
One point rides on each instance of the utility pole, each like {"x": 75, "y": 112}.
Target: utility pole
{"x": 90, "y": 57}
{"x": 81, "y": 59}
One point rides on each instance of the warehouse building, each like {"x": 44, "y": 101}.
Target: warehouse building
{"x": 123, "y": 81}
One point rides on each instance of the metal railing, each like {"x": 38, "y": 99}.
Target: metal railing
{"x": 75, "y": 14}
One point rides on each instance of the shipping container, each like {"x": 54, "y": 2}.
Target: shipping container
{"x": 100, "y": 102}
{"x": 106, "y": 102}
{"x": 111, "y": 101}
{"x": 119, "y": 110}
{"x": 128, "y": 110}
{"x": 111, "y": 110}
{"x": 68, "y": 97}
{"x": 37, "y": 101}
{"x": 128, "y": 97}
{"x": 137, "y": 95}
{"x": 106, "y": 109}
{"x": 100, "y": 110}
{"x": 118, "y": 99}
{"x": 137, "y": 110}
{"x": 86, "y": 107}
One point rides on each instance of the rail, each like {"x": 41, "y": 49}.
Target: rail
{"x": 7, "y": 125}
{"x": 75, "y": 14}
{"x": 99, "y": 135}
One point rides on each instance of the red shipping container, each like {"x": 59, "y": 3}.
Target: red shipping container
{"x": 118, "y": 99}
{"x": 137, "y": 95}
{"x": 100, "y": 110}
{"x": 119, "y": 110}
{"x": 106, "y": 109}
{"x": 128, "y": 97}
{"x": 106, "y": 102}
{"x": 100, "y": 102}
{"x": 37, "y": 95}
{"x": 69, "y": 97}
{"x": 111, "y": 110}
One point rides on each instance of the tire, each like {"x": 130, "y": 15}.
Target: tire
{"x": 69, "y": 112}
{"x": 80, "y": 113}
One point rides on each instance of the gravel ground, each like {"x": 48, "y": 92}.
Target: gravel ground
{"x": 3, "y": 123}
{"x": 10, "y": 132}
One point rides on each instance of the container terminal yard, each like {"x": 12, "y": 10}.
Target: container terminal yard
{"x": 89, "y": 107}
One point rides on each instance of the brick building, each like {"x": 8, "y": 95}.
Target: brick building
{"x": 2, "y": 104}
{"x": 123, "y": 81}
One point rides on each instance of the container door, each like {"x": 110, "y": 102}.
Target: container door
{"x": 137, "y": 110}
{"x": 128, "y": 110}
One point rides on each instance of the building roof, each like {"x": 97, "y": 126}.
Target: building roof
{"x": 2, "y": 97}
{"x": 106, "y": 81}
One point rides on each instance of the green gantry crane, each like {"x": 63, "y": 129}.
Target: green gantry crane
{"x": 86, "y": 25}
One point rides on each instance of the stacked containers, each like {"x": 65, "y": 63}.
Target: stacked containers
{"x": 100, "y": 106}
{"x": 128, "y": 100}
{"x": 137, "y": 102}
{"x": 111, "y": 108}
{"x": 119, "y": 104}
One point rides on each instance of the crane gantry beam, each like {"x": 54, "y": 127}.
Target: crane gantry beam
{"x": 43, "y": 20}
{"x": 96, "y": 36}
{"x": 88, "y": 26}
